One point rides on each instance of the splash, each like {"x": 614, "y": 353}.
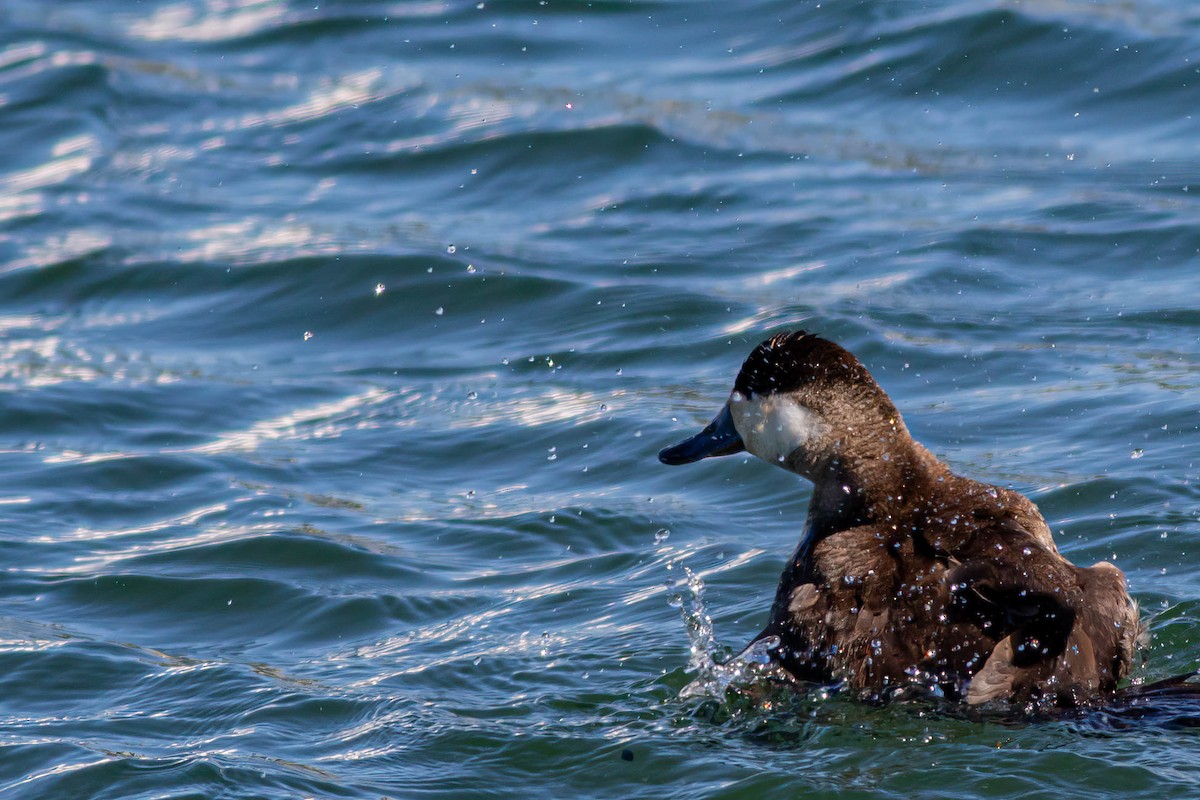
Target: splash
{"x": 713, "y": 675}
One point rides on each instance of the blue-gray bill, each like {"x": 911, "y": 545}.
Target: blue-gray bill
{"x": 719, "y": 438}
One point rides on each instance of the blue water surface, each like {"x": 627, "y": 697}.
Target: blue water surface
{"x": 337, "y": 340}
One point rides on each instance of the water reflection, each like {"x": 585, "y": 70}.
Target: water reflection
{"x": 218, "y": 20}
{"x": 69, "y": 157}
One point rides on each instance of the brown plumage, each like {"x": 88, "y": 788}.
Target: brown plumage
{"x": 907, "y": 574}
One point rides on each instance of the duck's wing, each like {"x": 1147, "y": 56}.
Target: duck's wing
{"x": 1063, "y": 631}
{"x": 1032, "y": 625}
{"x": 1033, "y": 601}
{"x": 869, "y": 612}
{"x": 1003, "y": 579}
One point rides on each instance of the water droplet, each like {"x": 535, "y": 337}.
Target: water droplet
{"x": 308, "y": 335}
{"x": 1137, "y": 453}
{"x": 675, "y": 600}
{"x": 603, "y": 408}
{"x": 478, "y": 660}
{"x": 451, "y": 249}
{"x": 472, "y": 395}
{"x": 471, "y": 268}
{"x": 379, "y": 289}
{"x": 439, "y": 311}
{"x": 661, "y": 535}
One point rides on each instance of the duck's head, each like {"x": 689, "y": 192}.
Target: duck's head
{"x": 798, "y": 402}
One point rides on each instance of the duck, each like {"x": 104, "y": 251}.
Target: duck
{"x": 907, "y": 576}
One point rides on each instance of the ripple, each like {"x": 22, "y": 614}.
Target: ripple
{"x": 184, "y": 22}
{"x": 320, "y": 421}
{"x": 69, "y": 157}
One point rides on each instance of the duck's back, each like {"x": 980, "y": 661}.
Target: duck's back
{"x": 974, "y": 606}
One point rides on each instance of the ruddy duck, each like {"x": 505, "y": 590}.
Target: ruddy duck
{"x": 906, "y": 574}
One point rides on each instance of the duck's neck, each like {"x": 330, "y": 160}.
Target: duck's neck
{"x": 885, "y": 491}
{"x": 850, "y": 491}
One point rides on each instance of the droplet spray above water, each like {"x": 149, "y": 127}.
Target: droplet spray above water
{"x": 713, "y": 678}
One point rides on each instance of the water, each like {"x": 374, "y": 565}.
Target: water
{"x": 339, "y": 339}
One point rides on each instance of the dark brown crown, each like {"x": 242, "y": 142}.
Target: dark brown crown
{"x": 787, "y": 361}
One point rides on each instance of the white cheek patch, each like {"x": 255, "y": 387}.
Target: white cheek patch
{"x": 773, "y": 426}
